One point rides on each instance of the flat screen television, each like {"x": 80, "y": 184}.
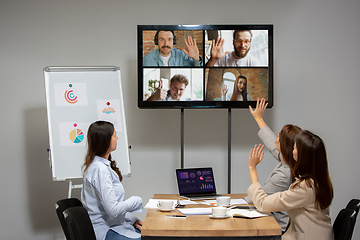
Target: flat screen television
{"x": 204, "y": 66}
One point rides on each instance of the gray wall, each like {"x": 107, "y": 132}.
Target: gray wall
{"x": 316, "y": 84}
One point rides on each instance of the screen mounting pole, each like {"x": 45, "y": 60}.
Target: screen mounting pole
{"x": 229, "y": 150}
{"x": 182, "y": 138}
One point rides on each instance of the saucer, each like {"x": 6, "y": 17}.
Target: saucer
{"x": 219, "y": 217}
{"x": 166, "y": 209}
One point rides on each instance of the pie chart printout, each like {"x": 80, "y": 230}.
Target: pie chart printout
{"x": 76, "y": 136}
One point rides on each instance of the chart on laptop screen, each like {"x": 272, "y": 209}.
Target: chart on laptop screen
{"x": 195, "y": 181}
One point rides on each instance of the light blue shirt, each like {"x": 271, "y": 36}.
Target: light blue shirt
{"x": 103, "y": 197}
{"x": 177, "y": 58}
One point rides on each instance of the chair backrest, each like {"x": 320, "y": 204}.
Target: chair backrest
{"x": 354, "y": 204}
{"x": 344, "y": 224}
{"x": 61, "y": 206}
{"x": 79, "y": 224}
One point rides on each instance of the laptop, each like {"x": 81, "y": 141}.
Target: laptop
{"x": 196, "y": 183}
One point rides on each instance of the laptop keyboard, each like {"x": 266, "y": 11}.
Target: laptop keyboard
{"x": 200, "y": 195}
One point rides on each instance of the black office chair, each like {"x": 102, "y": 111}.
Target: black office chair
{"x": 344, "y": 224}
{"x": 61, "y": 206}
{"x": 355, "y": 205}
{"x": 78, "y": 224}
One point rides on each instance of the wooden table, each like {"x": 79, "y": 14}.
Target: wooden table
{"x": 156, "y": 226}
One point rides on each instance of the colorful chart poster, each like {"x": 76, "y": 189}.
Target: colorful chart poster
{"x": 70, "y": 94}
{"x": 73, "y": 134}
{"x": 109, "y": 110}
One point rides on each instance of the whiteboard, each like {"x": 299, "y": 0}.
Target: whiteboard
{"x": 75, "y": 98}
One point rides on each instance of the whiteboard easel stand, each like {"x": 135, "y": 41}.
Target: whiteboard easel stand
{"x": 229, "y": 145}
{"x": 55, "y": 73}
{"x": 72, "y": 186}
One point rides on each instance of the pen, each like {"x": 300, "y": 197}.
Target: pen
{"x": 175, "y": 216}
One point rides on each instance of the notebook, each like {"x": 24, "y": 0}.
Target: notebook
{"x": 196, "y": 183}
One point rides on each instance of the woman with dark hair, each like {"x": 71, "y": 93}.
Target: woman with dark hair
{"x": 308, "y": 199}
{"x": 239, "y": 92}
{"x": 102, "y": 193}
{"x": 280, "y": 147}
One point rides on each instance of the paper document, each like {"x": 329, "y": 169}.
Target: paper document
{"x": 185, "y": 202}
{"x": 195, "y": 211}
{"x": 247, "y": 213}
{"x": 238, "y": 201}
{"x": 153, "y": 202}
{"x": 232, "y": 202}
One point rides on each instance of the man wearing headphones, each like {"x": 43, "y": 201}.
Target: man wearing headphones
{"x": 167, "y": 55}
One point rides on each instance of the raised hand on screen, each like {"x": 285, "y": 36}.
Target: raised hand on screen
{"x": 217, "y": 48}
{"x": 192, "y": 50}
{"x": 224, "y": 90}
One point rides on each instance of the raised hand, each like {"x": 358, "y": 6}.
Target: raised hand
{"x": 217, "y": 48}
{"x": 224, "y": 90}
{"x": 260, "y": 108}
{"x": 256, "y": 155}
{"x": 192, "y": 50}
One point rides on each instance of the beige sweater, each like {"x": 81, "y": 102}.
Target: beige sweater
{"x": 306, "y": 222}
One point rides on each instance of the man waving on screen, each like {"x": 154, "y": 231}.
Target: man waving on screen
{"x": 237, "y": 58}
{"x": 167, "y": 55}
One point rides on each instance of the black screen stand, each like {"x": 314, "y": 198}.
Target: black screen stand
{"x": 229, "y": 150}
{"x": 182, "y": 138}
{"x": 229, "y": 145}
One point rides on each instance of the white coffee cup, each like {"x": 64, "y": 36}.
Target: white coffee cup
{"x": 165, "y": 204}
{"x": 223, "y": 201}
{"x": 165, "y": 83}
{"x": 219, "y": 211}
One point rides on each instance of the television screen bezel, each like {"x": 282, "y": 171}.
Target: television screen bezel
{"x": 142, "y": 104}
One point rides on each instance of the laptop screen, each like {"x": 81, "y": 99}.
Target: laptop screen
{"x": 195, "y": 180}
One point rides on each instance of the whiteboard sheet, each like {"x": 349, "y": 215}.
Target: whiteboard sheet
{"x": 75, "y": 98}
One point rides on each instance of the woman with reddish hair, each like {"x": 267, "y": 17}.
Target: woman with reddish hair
{"x": 239, "y": 92}
{"x": 280, "y": 147}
